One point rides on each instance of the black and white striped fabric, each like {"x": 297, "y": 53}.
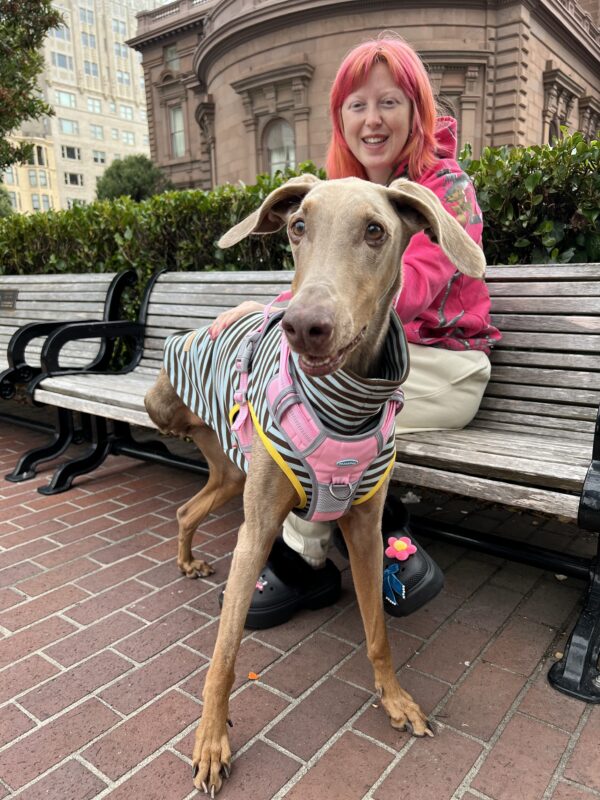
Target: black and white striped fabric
{"x": 203, "y": 374}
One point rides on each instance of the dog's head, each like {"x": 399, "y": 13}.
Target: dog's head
{"x": 347, "y": 239}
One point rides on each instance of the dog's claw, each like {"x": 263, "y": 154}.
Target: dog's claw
{"x": 430, "y": 729}
{"x": 212, "y": 791}
{"x": 195, "y": 770}
{"x": 230, "y": 723}
{"x": 204, "y": 787}
{"x": 226, "y": 770}
{"x": 408, "y": 727}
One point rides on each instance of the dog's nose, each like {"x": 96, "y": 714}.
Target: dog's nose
{"x": 308, "y": 330}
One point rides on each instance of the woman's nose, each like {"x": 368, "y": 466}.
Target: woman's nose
{"x": 373, "y": 117}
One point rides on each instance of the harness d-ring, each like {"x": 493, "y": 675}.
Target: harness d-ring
{"x": 348, "y": 486}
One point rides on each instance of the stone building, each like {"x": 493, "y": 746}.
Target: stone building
{"x": 237, "y": 87}
{"x": 94, "y": 81}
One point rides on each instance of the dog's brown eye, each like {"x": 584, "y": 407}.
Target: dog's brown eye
{"x": 375, "y": 233}
{"x": 297, "y": 227}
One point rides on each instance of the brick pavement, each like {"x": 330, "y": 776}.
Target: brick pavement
{"x": 104, "y": 649}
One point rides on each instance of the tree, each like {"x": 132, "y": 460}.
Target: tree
{"x": 23, "y": 27}
{"x": 6, "y": 208}
{"x": 134, "y": 176}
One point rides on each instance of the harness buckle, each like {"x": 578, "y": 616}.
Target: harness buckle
{"x": 246, "y": 351}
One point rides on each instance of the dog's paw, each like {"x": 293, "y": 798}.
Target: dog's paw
{"x": 196, "y": 568}
{"x": 405, "y": 714}
{"x": 211, "y": 761}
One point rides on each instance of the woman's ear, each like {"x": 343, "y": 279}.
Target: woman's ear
{"x": 422, "y": 210}
{"x": 273, "y": 212}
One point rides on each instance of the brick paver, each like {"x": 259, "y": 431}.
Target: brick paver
{"x": 104, "y": 650}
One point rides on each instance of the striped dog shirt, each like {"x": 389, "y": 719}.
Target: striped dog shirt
{"x": 348, "y": 407}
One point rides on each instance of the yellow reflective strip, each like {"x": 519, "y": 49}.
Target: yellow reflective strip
{"x": 378, "y": 485}
{"x": 279, "y": 460}
{"x": 233, "y": 412}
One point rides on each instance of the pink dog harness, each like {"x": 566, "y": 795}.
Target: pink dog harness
{"x": 332, "y": 436}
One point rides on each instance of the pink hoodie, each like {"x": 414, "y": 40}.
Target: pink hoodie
{"x": 438, "y": 305}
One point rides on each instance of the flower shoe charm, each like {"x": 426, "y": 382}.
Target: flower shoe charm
{"x": 400, "y": 548}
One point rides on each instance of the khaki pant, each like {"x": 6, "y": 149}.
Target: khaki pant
{"x": 442, "y": 392}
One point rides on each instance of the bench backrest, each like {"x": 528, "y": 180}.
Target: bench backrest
{"x": 183, "y": 300}
{"x": 546, "y": 370}
{"x": 47, "y": 298}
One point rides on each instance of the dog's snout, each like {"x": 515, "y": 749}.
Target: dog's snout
{"x": 308, "y": 330}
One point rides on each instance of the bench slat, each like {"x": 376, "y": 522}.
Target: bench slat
{"x": 545, "y": 289}
{"x": 543, "y": 359}
{"x": 559, "y": 504}
{"x": 536, "y": 323}
{"x": 579, "y": 343}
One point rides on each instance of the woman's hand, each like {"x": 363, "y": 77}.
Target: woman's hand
{"x": 227, "y": 318}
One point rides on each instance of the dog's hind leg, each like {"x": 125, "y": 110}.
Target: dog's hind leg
{"x": 362, "y": 533}
{"x": 225, "y": 481}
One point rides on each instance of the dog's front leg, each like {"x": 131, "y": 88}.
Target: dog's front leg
{"x": 268, "y": 498}
{"x": 362, "y": 532}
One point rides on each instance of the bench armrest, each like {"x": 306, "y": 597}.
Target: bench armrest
{"x": 27, "y": 333}
{"x": 107, "y": 331}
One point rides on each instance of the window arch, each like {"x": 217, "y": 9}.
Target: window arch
{"x": 279, "y": 146}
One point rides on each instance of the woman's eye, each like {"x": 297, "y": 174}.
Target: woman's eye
{"x": 375, "y": 233}
{"x": 297, "y": 227}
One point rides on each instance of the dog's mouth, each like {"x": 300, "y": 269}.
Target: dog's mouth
{"x": 316, "y": 366}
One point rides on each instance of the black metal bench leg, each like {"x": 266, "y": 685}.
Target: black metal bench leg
{"x": 577, "y": 672}
{"x": 27, "y": 464}
{"x": 65, "y": 474}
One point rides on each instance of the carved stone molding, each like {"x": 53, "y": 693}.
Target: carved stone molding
{"x": 205, "y": 117}
{"x": 589, "y": 116}
{"x": 560, "y": 93}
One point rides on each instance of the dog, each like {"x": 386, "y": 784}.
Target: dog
{"x": 347, "y": 238}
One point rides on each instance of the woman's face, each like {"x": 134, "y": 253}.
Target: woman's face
{"x": 376, "y": 121}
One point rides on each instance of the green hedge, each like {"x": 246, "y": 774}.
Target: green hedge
{"x": 540, "y": 204}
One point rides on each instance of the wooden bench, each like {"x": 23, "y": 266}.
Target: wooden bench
{"x": 33, "y": 306}
{"x": 111, "y": 403}
{"x": 534, "y": 445}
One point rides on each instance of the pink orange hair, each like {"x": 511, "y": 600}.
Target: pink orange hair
{"x": 410, "y": 75}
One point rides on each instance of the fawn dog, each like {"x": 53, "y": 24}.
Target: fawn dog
{"x": 347, "y": 238}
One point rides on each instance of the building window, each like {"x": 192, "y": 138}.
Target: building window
{"x": 119, "y": 28}
{"x": 13, "y": 199}
{"x": 74, "y": 153}
{"x": 35, "y": 202}
{"x": 99, "y": 157}
{"x": 62, "y": 61}
{"x": 128, "y": 137}
{"x": 69, "y": 126}
{"x": 9, "y": 176}
{"x": 94, "y": 105}
{"x": 123, "y": 77}
{"x": 88, "y": 40}
{"x": 74, "y": 201}
{"x": 43, "y": 178}
{"x": 96, "y": 131}
{"x": 33, "y": 177}
{"x": 112, "y": 107}
{"x": 126, "y": 112}
{"x": 86, "y": 17}
{"x": 41, "y": 155}
{"x": 171, "y": 57}
{"x": 143, "y": 114}
{"x": 66, "y": 99}
{"x": 63, "y": 33}
{"x": 280, "y": 146}
{"x": 177, "y": 131}
{"x": 145, "y": 139}
{"x": 90, "y": 68}
{"x": 114, "y": 133}
{"x": 121, "y": 50}
{"x": 45, "y": 202}
{"x": 74, "y": 178}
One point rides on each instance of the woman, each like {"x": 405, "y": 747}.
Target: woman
{"x": 385, "y": 127}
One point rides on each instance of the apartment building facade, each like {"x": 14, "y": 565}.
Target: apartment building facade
{"x": 95, "y": 83}
{"x": 238, "y": 87}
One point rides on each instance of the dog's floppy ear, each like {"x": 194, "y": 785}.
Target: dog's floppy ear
{"x": 421, "y": 208}
{"x": 273, "y": 212}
